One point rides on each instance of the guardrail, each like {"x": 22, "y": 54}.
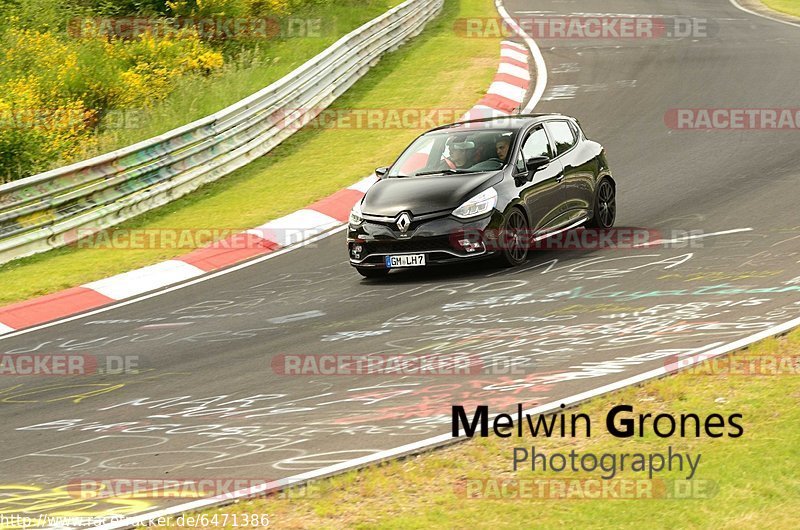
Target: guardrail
{"x": 54, "y": 208}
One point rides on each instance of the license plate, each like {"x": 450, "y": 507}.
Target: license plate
{"x": 406, "y": 260}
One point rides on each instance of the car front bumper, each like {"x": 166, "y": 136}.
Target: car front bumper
{"x": 439, "y": 238}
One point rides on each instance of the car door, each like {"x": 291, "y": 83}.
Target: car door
{"x": 578, "y": 166}
{"x": 542, "y": 190}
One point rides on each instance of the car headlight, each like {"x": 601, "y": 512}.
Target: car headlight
{"x": 355, "y": 215}
{"x": 477, "y": 205}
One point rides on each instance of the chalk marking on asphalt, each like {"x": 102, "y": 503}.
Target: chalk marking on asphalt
{"x": 692, "y": 237}
{"x": 428, "y": 443}
{"x": 541, "y": 83}
{"x": 507, "y": 272}
{"x": 296, "y": 317}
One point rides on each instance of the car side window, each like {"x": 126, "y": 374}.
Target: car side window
{"x": 563, "y": 135}
{"x": 576, "y": 131}
{"x": 520, "y": 163}
{"x": 536, "y": 145}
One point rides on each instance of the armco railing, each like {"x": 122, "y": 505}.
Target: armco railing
{"x": 53, "y": 208}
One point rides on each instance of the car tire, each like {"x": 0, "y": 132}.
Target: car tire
{"x": 372, "y": 273}
{"x": 605, "y": 206}
{"x": 515, "y": 243}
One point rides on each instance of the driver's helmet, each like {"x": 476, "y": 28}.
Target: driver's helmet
{"x": 461, "y": 144}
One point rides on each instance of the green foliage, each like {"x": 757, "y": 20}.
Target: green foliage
{"x": 55, "y": 89}
{"x": 57, "y": 60}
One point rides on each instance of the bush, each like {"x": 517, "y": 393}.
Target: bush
{"x": 54, "y": 90}
{"x": 61, "y": 76}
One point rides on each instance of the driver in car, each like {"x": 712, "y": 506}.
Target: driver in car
{"x": 459, "y": 154}
{"x": 501, "y": 145}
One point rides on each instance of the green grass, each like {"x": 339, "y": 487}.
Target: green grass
{"x": 251, "y": 70}
{"x": 438, "y": 69}
{"x": 755, "y": 476}
{"x": 791, "y": 7}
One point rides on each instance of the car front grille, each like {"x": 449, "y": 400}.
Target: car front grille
{"x": 422, "y": 244}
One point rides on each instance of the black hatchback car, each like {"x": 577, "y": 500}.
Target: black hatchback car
{"x": 481, "y": 188}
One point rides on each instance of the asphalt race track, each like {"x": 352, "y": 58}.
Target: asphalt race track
{"x": 210, "y": 399}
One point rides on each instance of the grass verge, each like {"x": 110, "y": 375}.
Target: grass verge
{"x": 250, "y": 70}
{"x": 791, "y": 7}
{"x": 437, "y": 70}
{"x": 745, "y": 482}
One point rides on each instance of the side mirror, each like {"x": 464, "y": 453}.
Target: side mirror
{"x": 381, "y": 171}
{"x": 536, "y": 163}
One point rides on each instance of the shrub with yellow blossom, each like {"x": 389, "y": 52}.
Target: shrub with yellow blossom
{"x": 55, "y": 90}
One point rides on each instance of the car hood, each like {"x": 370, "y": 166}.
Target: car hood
{"x": 421, "y": 195}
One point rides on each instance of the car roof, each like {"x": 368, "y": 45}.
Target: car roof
{"x": 515, "y": 121}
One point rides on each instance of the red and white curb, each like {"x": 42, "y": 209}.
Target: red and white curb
{"x": 506, "y": 94}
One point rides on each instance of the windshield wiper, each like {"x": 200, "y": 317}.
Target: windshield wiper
{"x": 450, "y": 171}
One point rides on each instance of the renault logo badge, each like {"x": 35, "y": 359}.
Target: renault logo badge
{"x": 403, "y": 222}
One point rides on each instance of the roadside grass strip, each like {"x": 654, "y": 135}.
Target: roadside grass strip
{"x": 791, "y": 7}
{"x": 742, "y": 482}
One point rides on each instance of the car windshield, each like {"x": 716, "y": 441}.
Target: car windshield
{"x": 450, "y": 152}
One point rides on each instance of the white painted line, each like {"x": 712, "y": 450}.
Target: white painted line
{"x": 5, "y": 329}
{"x": 737, "y": 5}
{"x": 507, "y": 90}
{"x": 536, "y": 53}
{"x": 295, "y": 227}
{"x": 692, "y": 237}
{"x": 146, "y": 279}
{"x": 364, "y": 184}
{"x": 201, "y": 279}
{"x": 691, "y": 358}
{"x": 513, "y": 69}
